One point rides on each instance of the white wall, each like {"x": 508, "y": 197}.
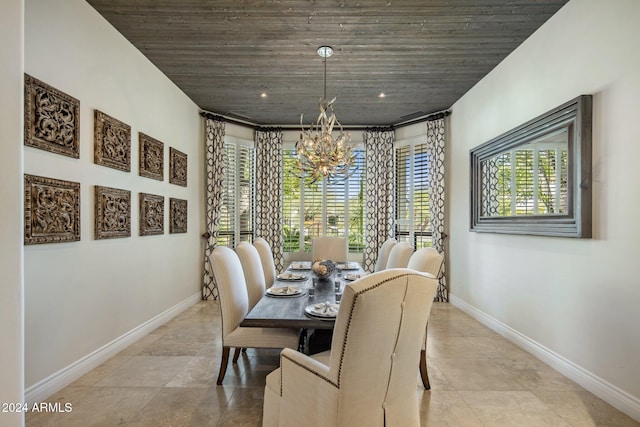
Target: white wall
{"x": 576, "y": 298}
{"x": 80, "y": 296}
{"x": 11, "y": 256}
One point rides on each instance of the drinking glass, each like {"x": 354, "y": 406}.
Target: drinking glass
{"x": 338, "y": 297}
{"x": 312, "y": 290}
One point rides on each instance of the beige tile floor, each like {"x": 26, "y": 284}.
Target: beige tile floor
{"x": 168, "y": 377}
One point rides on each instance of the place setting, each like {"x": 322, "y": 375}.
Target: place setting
{"x": 302, "y": 265}
{"x": 348, "y": 266}
{"x": 354, "y": 276}
{"x": 324, "y": 310}
{"x": 285, "y": 291}
{"x": 291, "y": 277}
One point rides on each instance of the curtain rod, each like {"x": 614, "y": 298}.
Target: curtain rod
{"x": 428, "y": 118}
{"x": 210, "y": 115}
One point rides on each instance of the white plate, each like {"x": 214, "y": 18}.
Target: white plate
{"x": 300, "y": 266}
{"x": 284, "y": 291}
{"x": 318, "y": 310}
{"x": 291, "y": 276}
{"x": 354, "y": 276}
{"x": 348, "y": 266}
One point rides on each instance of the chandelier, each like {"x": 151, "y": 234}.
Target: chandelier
{"x": 319, "y": 154}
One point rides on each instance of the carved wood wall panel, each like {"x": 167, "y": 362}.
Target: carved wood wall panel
{"x": 177, "y": 215}
{"x": 151, "y": 214}
{"x": 51, "y": 118}
{"x": 177, "y": 167}
{"x": 112, "y": 142}
{"x": 51, "y": 210}
{"x": 151, "y": 157}
{"x": 113, "y": 213}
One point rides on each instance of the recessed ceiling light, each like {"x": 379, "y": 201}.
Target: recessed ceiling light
{"x": 381, "y": 95}
{"x": 263, "y": 95}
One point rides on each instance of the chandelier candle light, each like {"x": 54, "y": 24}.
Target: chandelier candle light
{"x": 320, "y": 155}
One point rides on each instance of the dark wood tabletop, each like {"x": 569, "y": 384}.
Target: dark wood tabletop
{"x": 288, "y": 312}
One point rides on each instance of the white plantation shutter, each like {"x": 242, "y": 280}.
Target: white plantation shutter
{"x": 324, "y": 208}
{"x": 355, "y": 192}
{"x": 413, "y": 216}
{"x": 237, "y": 216}
{"x": 292, "y": 214}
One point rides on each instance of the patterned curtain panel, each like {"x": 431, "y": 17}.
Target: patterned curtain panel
{"x": 215, "y": 168}
{"x": 435, "y": 148}
{"x": 268, "y": 210}
{"x": 379, "y": 193}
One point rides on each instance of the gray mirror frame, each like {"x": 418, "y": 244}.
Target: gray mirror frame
{"x": 576, "y": 116}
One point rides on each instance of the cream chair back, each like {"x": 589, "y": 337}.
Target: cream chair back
{"x": 369, "y": 376}
{"x": 333, "y": 248}
{"x": 234, "y": 306}
{"x": 253, "y": 273}
{"x": 234, "y": 301}
{"x": 378, "y": 382}
{"x": 383, "y": 254}
{"x": 426, "y": 260}
{"x": 266, "y": 258}
{"x": 400, "y": 255}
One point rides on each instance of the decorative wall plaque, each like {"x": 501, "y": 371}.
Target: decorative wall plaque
{"x": 51, "y": 210}
{"x": 51, "y": 118}
{"x": 151, "y": 157}
{"x": 177, "y": 216}
{"x": 112, "y": 142}
{"x": 151, "y": 214}
{"x": 177, "y": 167}
{"x": 113, "y": 213}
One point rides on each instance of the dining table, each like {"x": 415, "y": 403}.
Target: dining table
{"x": 279, "y": 310}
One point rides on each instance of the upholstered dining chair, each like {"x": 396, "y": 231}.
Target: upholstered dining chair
{"x": 426, "y": 260}
{"x": 399, "y": 255}
{"x": 253, "y": 272}
{"x": 383, "y": 254}
{"x": 266, "y": 258}
{"x": 429, "y": 261}
{"x": 328, "y": 247}
{"x": 368, "y": 377}
{"x": 234, "y": 306}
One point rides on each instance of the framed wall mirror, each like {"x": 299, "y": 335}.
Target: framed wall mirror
{"x": 536, "y": 178}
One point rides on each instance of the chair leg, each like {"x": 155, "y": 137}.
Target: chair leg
{"x": 223, "y": 364}
{"x": 423, "y": 370}
{"x": 244, "y": 349}
{"x": 236, "y": 354}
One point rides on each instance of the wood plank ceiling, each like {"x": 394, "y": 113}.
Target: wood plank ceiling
{"x": 422, "y": 54}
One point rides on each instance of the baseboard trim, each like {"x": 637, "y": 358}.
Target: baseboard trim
{"x": 606, "y": 391}
{"x": 65, "y": 376}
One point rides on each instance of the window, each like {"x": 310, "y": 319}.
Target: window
{"x": 237, "y": 216}
{"x": 413, "y": 216}
{"x": 324, "y": 208}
